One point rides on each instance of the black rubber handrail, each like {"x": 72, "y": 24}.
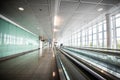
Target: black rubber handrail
{"x": 98, "y": 48}
{"x": 62, "y": 73}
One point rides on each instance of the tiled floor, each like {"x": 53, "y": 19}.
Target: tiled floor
{"x": 31, "y": 66}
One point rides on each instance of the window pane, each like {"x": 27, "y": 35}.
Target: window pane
{"x": 105, "y": 35}
{"x": 118, "y": 32}
{"x": 100, "y": 43}
{"x": 118, "y": 43}
{"x": 99, "y": 28}
{"x": 90, "y": 30}
{"x": 90, "y": 37}
{"x": 83, "y": 33}
{"x": 117, "y": 22}
{"x": 83, "y": 39}
{"x": 90, "y": 43}
{"x": 100, "y": 35}
{"x": 79, "y": 34}
{"x": 104, "y": 26}
{"x": 94, "y": 30}
{"x": 94, "y": 37}
{"x": 105, "y": 43}
{"x": 94, "y": 43}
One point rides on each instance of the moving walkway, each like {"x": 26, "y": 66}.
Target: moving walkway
{"x": 81, "y": 64}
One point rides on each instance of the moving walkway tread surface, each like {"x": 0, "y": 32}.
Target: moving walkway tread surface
{"x": 30, "y": 66}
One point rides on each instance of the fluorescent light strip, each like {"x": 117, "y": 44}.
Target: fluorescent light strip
{"x": 5, "y": 18}
{"x": 21, "y": 8}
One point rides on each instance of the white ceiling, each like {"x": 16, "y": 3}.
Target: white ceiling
{"x": 36, "y": 17}
{"x": 38, "y": 14}
{"x": 76, "y": 13}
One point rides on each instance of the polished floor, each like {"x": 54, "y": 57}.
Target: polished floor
{"x": 31, "y": 66}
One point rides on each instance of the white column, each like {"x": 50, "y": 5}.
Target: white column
{"x": 103, "y": 34}
{"x": 108, "y": 27}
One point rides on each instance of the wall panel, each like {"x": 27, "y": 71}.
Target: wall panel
{"x": 15, "y": 40}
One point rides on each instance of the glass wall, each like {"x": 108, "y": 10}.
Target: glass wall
{"x": 95, "y": 34}
{"x": 117, "y": 25}
{"x": 15, "y": 40}
{"x": 90, "y": 36}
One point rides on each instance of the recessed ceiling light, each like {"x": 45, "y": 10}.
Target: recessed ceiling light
{"x": 100, "y": 9}
{"x": 21, "y": 8}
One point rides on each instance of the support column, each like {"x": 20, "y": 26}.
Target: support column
{"x": 108, "y": 27}
{"x": 103, "y": 35}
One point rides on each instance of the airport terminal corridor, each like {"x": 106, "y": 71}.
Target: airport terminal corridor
{"x": 59, "y": 39}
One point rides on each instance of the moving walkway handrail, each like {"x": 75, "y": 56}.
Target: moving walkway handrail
{"x": 104, "y": 51}
{"x": 99, "y": 77}
{"x": 111, "y": 65}
{"x": 102, "y": 48}
{"x": 62, "y": 72}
